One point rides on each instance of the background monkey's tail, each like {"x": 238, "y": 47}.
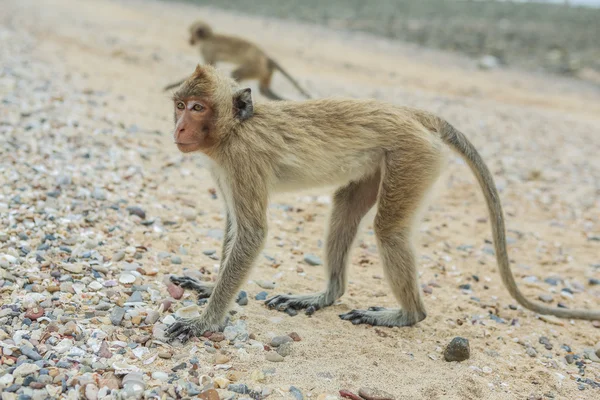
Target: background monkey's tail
{"x": 459, "y": 142}
{"x": 289, "y": 77}
{"x": 174, "y": 85}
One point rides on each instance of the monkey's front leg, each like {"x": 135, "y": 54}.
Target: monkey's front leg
{"x": 248, "y": 236}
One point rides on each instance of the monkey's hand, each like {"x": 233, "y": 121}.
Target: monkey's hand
{"x": 203, "y": 289}
{"x": 189, "y": 327}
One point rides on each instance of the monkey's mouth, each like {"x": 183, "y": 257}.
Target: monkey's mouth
{"x": 187, "y": 147}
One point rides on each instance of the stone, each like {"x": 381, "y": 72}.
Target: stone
{"x": 285, "y": 349}
{"x": 25, "y": 369}
{"x": 346, "y": 394}
{"x": 279, "y": 340}
{"x": 221, "y": 359}
{"x": 457, "y": 350}
{"x": 294, "y": 391}
{"x": 295, "y": 336}
{"x": 374, "y": 394}
{"x": 135, "y": 210}
{"x": 238, "y": 388}
{"x": 210, "y": 394}
{"x": 116, "y": 316}
{"x": 242, "y": 298}
{"x": 311, "y": 259}
{"x": 273, "y": 357}
{"x": 34, "y": 313}
{"x": 546, "y": 298}
{"x": 152, "y": 317}
{"x": 175, "y": 291}
{"x": 261, "y": 296}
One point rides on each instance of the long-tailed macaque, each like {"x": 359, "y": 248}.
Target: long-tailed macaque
{"x": 251, "y": 61}
{"x": 378, "y": 153}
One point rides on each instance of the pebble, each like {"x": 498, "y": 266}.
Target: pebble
{"x": 175, "y": 291}
{"x": 135, "y": 210}
{"x": 176, "y": 260}
{"x": 457, "y": 350}
{"x": 546, "y": 298}
{"x": 242, "y": 298}
{"x": 116, "y": 316}
{"x": 261, "y": 296}
{"x": 311, "y": 259}
{"x": 210, "y": 394}
{"x": 295, "y": 337}
{"x": 374, "y": 394}
{"x": 34, "y": 313}
{"x": 273, "y": 357}
{"x": 152, "y": 317}
{"x": 285, "y": 349}
{"x": 279, "y": 340}
{"x": 238, "y": 388}
{"x": 294, "y": 391}
{"x": 531, "y": 352}
{"x": 25, "y": 369}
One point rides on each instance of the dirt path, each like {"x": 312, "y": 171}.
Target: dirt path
{"x": 539, "y": 135}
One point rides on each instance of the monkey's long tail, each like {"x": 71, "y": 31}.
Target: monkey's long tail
{"x": 289, "y": 77}
{"x": 458, "y": 142}
{"x": 173, "y": 85}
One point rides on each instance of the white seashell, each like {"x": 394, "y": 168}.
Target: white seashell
{"x": 122, "y": 368}
{"x": 126, "y": 278}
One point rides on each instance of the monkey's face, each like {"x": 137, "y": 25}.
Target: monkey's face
{"x": 193, "y": 124}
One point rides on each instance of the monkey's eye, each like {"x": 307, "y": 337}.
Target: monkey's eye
{"x": 198, "y": 107}
{"x": 180, "y": 105}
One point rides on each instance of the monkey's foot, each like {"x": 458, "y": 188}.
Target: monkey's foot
{"x": 203, "y": 289}
{"x": 189, "y": 327}
{"x": 380, "y": 316}
{"x": 310, "y": 302}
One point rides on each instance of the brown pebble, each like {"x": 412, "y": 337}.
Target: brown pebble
{"x": 53, "y": 288}
{"x": 252, "y": 336}
{"x": 34, "y": 313}
{"x": 104, "y": 351}
{"x": 427, "y": 289}
{"x": 136, "y": 320}
{"x": 175, "y": 291}
{"x": 217, "y": 337}
{"x": 110, "y": 381}
{"x": 165, "y": 354}
{"x": 234, "y": 376}
{"x": 374, "y": 394}
{"x": 295, "y": 336}
{"x": 349, "y": 395}
{"x": 210, "y": 394}
{"x": 596, "y": 324}
{"x": 37, "y": 385}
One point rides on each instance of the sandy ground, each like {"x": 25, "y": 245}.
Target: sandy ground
{"x": 539, "y": 135}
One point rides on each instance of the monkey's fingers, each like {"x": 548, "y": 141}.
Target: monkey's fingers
{"x": 178, "y": 328}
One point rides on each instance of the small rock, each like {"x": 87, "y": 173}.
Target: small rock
{"x": 285, "y": 349}
{"x": 118, "y": 256}
{"x": 531, "y": 352}
{"x": 176, "y": 260}
{"x": 311, "y": 259}
{"x": 210, "y": 394}
{"x": 296, "y": 393}
{"x": 116, "y": 316}
{"x": 374, "y": 394}
{"x": 27, "y": 369}
{"x": 104, "y": 351}
{"x": 217, "y": 337}
{"x": 457, "y": 350}
{"x": 221, "y": 382}
{"x": 152, "y": 317}
{"x": 127, "y": 278}
{"x": 91, "y": 391}
{"x": 242, "y": 298}
{"x": 238, "y": 388}
{"x": 295, "y": 337}
{"x": 34, "y": 313}
{"x": 175, "y": 291}
{"x": 135, "y": 210}
{"x": 161, "y": 376}
{"x": 546, "y": 298}
{"x": 569, "y": 358}
{"x": 273, "y": 357}
{"x": 221, "y": 359}
{"x": 488, "y": 62}
{"x": 261, "y": 296}
{"x": 265, "y": 284}
{"x": 279, "y": 340}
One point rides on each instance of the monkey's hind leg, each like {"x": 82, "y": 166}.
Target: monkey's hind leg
{"x": 407, "y": 177}
{"x": 350, "y": 204}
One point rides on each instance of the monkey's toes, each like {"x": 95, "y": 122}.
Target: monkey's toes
{"x": 178, "y": 328}
{"x": 291, "y": 304}
{"x": 380, "y": 316}
{"x": 184, "y": 281}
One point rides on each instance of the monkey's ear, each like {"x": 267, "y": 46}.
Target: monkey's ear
{"x": 198, "y": 72}
{"x": 242, "y": 104}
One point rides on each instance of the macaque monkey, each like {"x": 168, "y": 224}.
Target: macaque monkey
{"x": 376, "y": 152}
{"x": 251, "y": 61}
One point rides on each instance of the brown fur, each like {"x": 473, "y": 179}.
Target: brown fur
{"x": 251, "y": 61}
{"x": 377, "y": 152}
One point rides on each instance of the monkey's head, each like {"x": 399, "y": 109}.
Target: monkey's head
{"x": 207, "y": 107}
{"x": 199, "y": 30}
